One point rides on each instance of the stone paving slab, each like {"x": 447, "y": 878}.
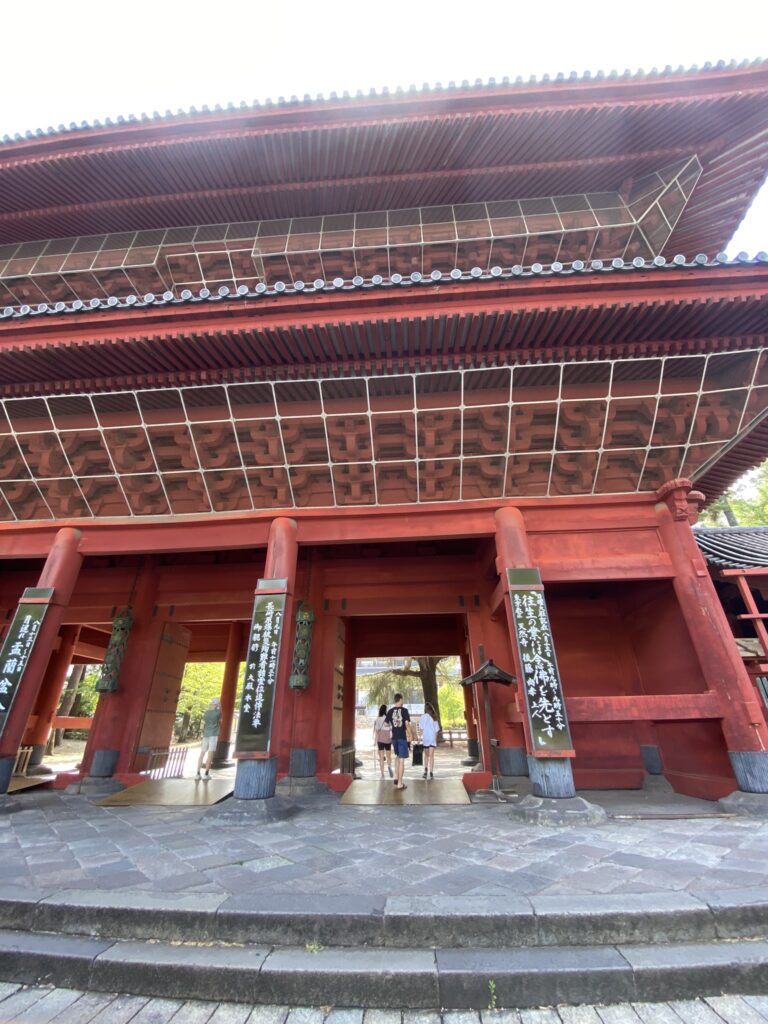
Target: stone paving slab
{"x": 63, "y": 842}
{"x": 40, "y": 1005}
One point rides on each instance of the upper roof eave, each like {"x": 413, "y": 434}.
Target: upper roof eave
{"x": 588, "y": 83}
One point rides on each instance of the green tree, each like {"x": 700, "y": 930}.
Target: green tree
{"x": 200, "y": 684}
{"x": 451, "y": 700}
{"x": 743, "y": 504}
{"x": 429, "y": 674}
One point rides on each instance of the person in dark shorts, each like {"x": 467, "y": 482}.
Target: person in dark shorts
{"x": 382, "y": 737}
{"x": 399, "y": 720}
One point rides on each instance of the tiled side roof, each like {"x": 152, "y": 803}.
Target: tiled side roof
{"x": 734, "y": 547}
{"x": 426, "y": 89}
{"x": 280, "y": 288}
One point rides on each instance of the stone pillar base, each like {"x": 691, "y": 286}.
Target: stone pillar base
{"x": 512, "y": 761}
{"x": 255, "y": 779}
{"x": 753, "y": 805}
{"x": 35, "y": 766}
{"x": 37, "y": 755}
{"x": 6, "y": 772}
{"x": 652, "y": 762}
{"x": 473, "y": 753}
{"x": 751, "y": 770}
{"x": 221, "y": 757}
{"x": 303, "y": 763}
{"x": 551, "y": 777}
{"x": 103, "y": 763}
{"x": 537, "y": 810}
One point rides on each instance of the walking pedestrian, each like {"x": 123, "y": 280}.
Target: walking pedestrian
{"x": 428, "y": 727}
{"x": 382, "y": 737}
{"x": 211, "y": 723}
{"x": 399, "y": 720}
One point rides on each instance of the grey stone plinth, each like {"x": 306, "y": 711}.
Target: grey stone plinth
{"x": 538, "y": 810}
{"x": 753, "y": 805}
{"x": 303, "y": 763}
{"x": 6, "y": 771}
{"x": 256, "y": 779}
{"x": 512, "y": 761}
{"x": 473, "y": 753}
{"x": 657, "y": 784}
{"x": 751, "y": 770}
{"x": 651, "y": 756}
{"x": 96, "y": 788}
{"x": 37, "y": 755}
{"x": 104, "y": 763}
{"x": 221, "y": 757}
{"x": 551, "y": 777}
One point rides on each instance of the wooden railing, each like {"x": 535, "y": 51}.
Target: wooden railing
{"x": 166, "y": 762}
{"x": 21, "y": 764}
{"x": 449, "y": 735}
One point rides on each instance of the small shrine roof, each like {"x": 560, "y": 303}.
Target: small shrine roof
{"x": 734, "y": 547}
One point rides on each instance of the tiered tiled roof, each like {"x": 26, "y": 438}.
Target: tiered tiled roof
{"x": 734, "y": 547}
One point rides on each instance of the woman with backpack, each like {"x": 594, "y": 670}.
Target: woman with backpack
{"x": 382, "y": 738}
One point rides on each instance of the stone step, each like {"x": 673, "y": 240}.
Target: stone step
{"x": 396, "y": 922}
{"x": 404, "y": 978}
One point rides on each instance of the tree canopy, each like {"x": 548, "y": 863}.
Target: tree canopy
{"x": 432, "y": 679}
{"x": 743, "y": 504}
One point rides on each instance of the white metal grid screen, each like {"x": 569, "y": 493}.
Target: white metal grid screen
{"x": 572, "y": 428}
{"x": 586, "y": 226}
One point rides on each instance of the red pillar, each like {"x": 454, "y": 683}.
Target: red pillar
{"x": 743, "y": 723}
{"x": 349, "y": 708}
{"x": 119, "y": 717}
{"x": 473, "y": 747}
{"x": 60, "y": 572}
{"x": 478, "y": 657}
{"x": 50, "y": 693}
{"x": 551, "y": 776}
{"x": 282, "y": 558}
{"x": 228, "y": 691}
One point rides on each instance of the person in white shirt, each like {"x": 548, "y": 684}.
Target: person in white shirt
{"x": 428, "y": 726}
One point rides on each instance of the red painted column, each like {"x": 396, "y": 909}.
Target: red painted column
{"x": 60, "y": 572}
{"x": 50, "y": 693}
{"x": 117, "y": 724}
{"x": 551, "y": 776}
{"x": 228, "y": 692}
{"x": 744, "y": 726}
{"x": 322, "y": 675}
{"x": 477, "y": 657}
{"x": 473, "y": 747}
{"x": 349, "y": 708}
{"x": 282, "y": 558}
{"x": 256, "y": 773}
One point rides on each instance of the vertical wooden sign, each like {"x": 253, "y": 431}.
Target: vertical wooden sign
{"x": 19, "y": 643}
{"x": 541, "y": 686}
{"x": 254, "y": 728}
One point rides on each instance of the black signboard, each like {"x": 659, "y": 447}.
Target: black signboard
{"x": 544, "y": 701}
{"x": 18, "y": 644}
{"x": 255, "y": 726}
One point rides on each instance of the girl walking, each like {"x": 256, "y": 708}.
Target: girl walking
{"x": 382, "y": 738}
{"x": 428, "y": 726}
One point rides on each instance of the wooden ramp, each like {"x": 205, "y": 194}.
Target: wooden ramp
{"x": 172, "y": 793}
{"x": 364, "y": 792}
{"x": 19, "y": 782}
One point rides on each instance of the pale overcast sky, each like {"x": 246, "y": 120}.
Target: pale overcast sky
{"x": 75, "y": 60}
